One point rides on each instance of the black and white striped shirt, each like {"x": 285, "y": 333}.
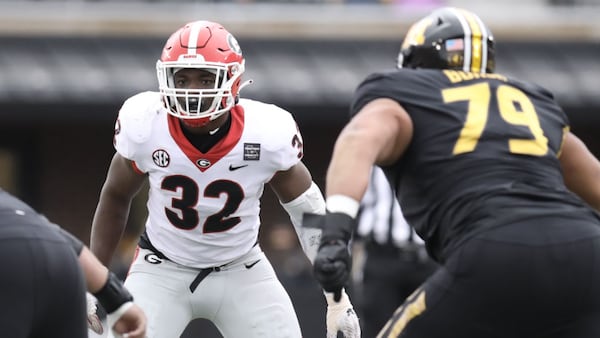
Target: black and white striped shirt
{"x": 380, "y": 218}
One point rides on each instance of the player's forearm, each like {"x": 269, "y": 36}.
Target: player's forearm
{"x": 109, "y": 223}
{"x": 377, "y": 135}
{"x": 94, "y": 271}
{"x": 350, "y": 167}
{"x": 310, "y": 201}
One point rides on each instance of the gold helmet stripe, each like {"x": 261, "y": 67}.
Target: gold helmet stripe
{"x": 485, "y": 36}
{"x": 478, "y": 46}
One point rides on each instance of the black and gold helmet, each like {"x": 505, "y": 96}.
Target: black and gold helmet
{"x": 449, "y": 38}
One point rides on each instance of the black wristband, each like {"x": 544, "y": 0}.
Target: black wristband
{"x": 336, "y": 226}
{"x": 113, "y": 294}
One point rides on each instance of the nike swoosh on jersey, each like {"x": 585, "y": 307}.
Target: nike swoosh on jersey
{"x": 249, "y": 266}
{"x": 232, "y": 167}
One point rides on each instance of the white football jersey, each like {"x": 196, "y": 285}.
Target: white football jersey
{"x": 203, "y": 208}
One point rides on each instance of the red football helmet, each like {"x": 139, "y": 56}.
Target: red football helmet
{"x": 207, "y": 46}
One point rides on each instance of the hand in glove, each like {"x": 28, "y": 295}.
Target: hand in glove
{"x": 332, "y": 267}
{"x": 333, "y": 263}
{"x": 341, "y": 317}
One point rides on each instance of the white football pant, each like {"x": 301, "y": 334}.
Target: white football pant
{"x": 243, "y": 299}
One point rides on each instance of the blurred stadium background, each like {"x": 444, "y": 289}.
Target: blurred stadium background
{"x": 66, "y": 67}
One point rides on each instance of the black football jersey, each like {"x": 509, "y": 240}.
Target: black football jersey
{"x": 19, "y": 220}
{"x": 484, "y": 152}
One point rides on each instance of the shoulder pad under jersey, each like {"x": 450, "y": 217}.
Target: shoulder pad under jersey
{"x": 284, "y": 142}
{"x": 137, "y": 114}
{"x": 271, "y": 113}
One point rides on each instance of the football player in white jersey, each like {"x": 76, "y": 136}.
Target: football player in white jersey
{"x": 207, "y": 155}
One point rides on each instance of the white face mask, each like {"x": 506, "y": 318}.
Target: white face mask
{"x": 206, "y": 103}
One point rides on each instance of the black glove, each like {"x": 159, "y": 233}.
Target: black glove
{"x": 333, "y": 262}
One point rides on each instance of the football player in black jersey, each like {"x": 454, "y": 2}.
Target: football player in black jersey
{"x": 490, "y": 176}
{"x": 45, "y": 274}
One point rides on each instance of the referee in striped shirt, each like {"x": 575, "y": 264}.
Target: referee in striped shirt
{"x": 391, "y": 258}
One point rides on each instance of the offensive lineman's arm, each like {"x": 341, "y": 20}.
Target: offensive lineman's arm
{"x": 377, "y": 135}
{"x": 581, "y": 170}
{"x": 121, "y": 185}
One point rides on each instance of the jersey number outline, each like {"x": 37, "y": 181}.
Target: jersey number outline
{"x": 297, "y": 143}
{"x": 515, "y": 108}
{"x": 188, "y": 217}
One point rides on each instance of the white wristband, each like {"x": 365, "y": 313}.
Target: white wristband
{"x": 343, "y": 204}
{"x": 114, "y": 316}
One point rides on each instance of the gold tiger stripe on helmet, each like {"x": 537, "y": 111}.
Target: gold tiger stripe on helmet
{"x": 477, "y": 49}
{"x": 475, "y": 35}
